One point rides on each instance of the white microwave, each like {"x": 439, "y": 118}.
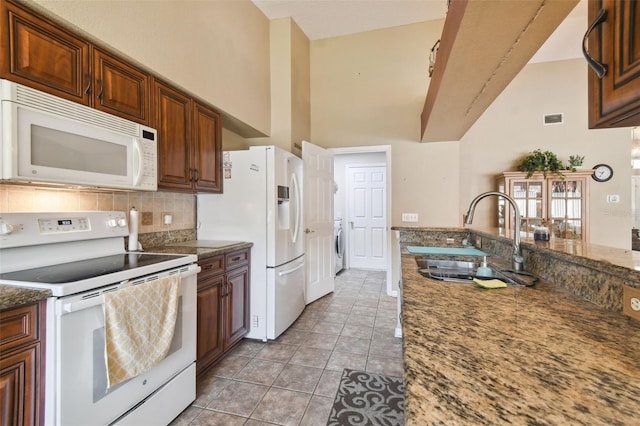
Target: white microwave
{"x": 49, "y": 140}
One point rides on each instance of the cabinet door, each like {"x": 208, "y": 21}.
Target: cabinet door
{"x": 18, "y": 389}
{"x": 210, "y": 342}
{"x": 207, "y": 149}
{"x": 614, "y": 100}
{"x": 39, "y": 54}
{"x": 172, "y": 120}
{"x": 237, "y": 305}
{"x": 120, "y": 88}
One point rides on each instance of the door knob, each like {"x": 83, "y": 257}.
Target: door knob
{"x": 308, "y": 231}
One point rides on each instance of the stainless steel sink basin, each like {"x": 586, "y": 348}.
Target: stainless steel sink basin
{"x": 447, "y": 270}
{"x": 458, "y": 271}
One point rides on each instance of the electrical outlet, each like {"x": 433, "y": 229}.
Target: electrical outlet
{"x": 631, "y": 301}
{"x": 614, "y": 198}
{"x": 409, "y": 217}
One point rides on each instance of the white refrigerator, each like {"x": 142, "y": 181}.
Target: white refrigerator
{"x": 262, "y": 204}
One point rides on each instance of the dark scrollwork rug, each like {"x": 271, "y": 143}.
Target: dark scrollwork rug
{"x": 368, "y": 399}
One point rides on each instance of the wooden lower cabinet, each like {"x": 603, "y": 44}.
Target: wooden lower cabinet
{"x": 22, "y": 365}
{"x": 223, "y": 305}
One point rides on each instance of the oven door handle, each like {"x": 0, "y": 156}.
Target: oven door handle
{"x": 70, "y": 307}
{"x": 98, "y": 299}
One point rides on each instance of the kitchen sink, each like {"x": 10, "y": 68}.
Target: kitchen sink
{"x": 458, "y": 271}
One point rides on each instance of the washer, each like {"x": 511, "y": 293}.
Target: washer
{"x": 338, "y": 233}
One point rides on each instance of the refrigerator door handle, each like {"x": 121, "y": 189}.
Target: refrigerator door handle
{"x": 289, "y": 271}
{"x": 297, "y": 224}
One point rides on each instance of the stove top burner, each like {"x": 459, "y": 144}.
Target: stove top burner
{"x": 85, "y": 269}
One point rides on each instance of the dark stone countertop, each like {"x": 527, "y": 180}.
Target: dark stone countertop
{"x": 12, "y": 297}
{"x": 536, "y": 355}
{"x": 201, "y": 248}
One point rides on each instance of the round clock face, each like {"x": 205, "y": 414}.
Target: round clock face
{"x": 602, "y": 173}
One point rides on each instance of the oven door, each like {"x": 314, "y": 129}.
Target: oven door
{"x": 81, "y": 393}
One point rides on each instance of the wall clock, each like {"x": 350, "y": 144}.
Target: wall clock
{"x": 602, "y": 173}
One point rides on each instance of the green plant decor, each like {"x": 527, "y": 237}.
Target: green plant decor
{"x": 575, "y": 161}
{"x": 541, "y": 161}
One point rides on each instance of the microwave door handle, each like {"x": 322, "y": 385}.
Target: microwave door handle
{"x": 137, "y": 150}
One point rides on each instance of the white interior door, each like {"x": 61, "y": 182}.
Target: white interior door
{"x": 367, "y": 217}
{"x": 318, "y": 211}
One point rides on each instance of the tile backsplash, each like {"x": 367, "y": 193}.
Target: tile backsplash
{"x": 151, "y": 205}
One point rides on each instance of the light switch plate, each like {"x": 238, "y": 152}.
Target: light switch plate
{"x": 409, "y": 217}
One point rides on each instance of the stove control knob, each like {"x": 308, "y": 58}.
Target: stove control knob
{"x": 5, "y": 228}
{"x": 112, "y": 223}
{"x": 122, "y": 222}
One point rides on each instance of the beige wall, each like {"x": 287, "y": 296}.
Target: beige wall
{"x": 217, "y": 50}
{"x": 290, "y": 104}
{"x": 369, "y": 88}
{"x": 512, "y": 127}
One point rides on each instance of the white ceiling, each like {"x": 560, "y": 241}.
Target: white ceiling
{"x": 320, "y": 19}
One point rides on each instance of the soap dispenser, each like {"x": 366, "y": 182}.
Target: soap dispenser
{"x": 484, "y": 270}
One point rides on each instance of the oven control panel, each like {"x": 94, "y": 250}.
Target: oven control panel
{"x": 26, "y": 229}
{"x": 72, "y": 224}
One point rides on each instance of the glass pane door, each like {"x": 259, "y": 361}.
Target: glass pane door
{"x": 528, "y": 195}
{"x": 565, "y": 209}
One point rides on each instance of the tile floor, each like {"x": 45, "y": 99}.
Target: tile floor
{"x": 293, "y": 380}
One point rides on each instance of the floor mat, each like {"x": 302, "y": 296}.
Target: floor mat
{"x": 368, "y": 399}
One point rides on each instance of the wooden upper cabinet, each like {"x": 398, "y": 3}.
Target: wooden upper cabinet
{"x": 172, "y": 120}
{"x": 40, "y": 54}
{"x": 614, "y": 99}
{"x": 45, "y": 56}
{"x": 207, "y": 149}
{"x": 189, "y": 141}
{"x": 120, "y": 88}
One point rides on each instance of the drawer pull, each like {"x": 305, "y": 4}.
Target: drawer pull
{"x": 235, "y": 259}
{"x": 209, "y": 266}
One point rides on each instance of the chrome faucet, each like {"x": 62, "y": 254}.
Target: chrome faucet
{"x": 518, "y": 260}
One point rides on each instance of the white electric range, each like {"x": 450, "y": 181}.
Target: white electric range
{"x": 80, "y": 256}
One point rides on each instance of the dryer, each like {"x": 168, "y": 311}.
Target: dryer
{"x": 338, "y": 244}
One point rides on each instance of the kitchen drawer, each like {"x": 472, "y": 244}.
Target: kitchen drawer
{"x": 18, "y": 326}
{"x": 236, "y": 258}
{"x": 211, "y": 266}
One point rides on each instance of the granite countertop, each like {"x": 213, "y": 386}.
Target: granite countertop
{"x": 201, "y": 248}
{"x": 12, "y": 297}
{"x": 515, "y": 356}
{"x": 623, "y": 258}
